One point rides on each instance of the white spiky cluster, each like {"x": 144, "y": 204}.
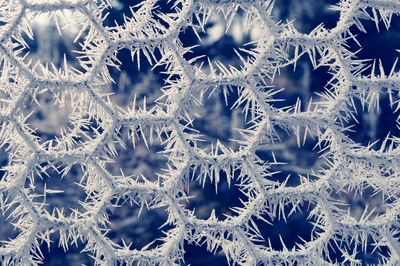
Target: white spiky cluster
{"x": 95, "y": 124}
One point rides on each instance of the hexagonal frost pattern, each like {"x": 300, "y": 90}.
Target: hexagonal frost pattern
{"x": 264, "y": 177}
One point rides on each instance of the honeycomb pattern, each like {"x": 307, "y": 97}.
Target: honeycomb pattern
{"x": 61, "y": 178}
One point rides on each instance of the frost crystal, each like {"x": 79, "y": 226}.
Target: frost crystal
{"x": 66, "y": 127}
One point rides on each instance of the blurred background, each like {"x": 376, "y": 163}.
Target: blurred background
{"x": 216, "y": 120}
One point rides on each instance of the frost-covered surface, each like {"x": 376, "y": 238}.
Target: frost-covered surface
{"x": 197, "y": 124}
